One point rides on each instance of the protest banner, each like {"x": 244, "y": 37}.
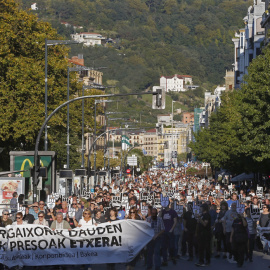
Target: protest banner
{"x": 32, "y": 245}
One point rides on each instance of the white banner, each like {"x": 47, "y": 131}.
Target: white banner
{"x": 32, "y": 245}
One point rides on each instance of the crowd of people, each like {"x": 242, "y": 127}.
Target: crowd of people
{"x": 191, "y": 217}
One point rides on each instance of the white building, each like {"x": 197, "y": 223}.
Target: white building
{"x": 247, "y": 42}
{"x": 89, "y": 39}
{"x": 34, "y": 6}
{"x": 211, "y": 103}
{"x": 176, "y": 83}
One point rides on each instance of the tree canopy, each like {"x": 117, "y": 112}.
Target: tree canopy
{"x": 22, "y": 83}
{"x": 238, "y": 138}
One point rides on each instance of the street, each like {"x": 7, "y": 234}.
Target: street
{"x": 260, "y": 260}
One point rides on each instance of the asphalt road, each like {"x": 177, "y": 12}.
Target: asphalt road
{"x": 260, "y": 261}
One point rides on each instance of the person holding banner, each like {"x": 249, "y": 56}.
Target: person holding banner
{"x": 86, "y": 220}
{"x": 41, "y": 220}
{"x": 29, "y": 218}
{"x": 19, "y": 219}
{"x": 5, "y": 220}
{"x": 59, "y": 223}
{"x": 78, "y": 211}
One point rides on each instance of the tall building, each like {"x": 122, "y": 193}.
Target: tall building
{"x": 247, "y": 43}
{"x": 197, "y": 112}
{"x": 265, "y": 23}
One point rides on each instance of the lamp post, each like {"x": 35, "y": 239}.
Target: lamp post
{"x": 36, "y": 168}
{"x": 95, "y": 131}
{"x": 69, "y": 69}
{"x": 51, "y": 43}
{"x": 172, "y": 151}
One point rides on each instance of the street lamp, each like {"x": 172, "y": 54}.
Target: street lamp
{"x": 95, "y": 130}
{"x": 69, "y": 69}
{"x": 51, "y": 43}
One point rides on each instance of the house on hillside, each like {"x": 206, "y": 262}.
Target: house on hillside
{"x": 34, "y": 6}
{"x": 176, "y": 83}
{"x": 89, "y": 39}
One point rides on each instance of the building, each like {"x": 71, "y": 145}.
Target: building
{"x": 87, "y": 76}
{"x": 197, "y": 112}
{"x": 229, "y": 80}
{"x": 150, "y": 143}
{"x": 211, "y": 104}
{"x": 34, "y": 6}
{"x": 176, "y": 83}
{"x": 88, "y": 39}
{"x": 265, "y": 23}
{"x": 247, "y": 42}
{"x": 178, "y": 139}
{"x": 188, "y": 118}
{"x": 164, "y": 118}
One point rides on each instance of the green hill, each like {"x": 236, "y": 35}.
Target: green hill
{"x": 152, "y": 38}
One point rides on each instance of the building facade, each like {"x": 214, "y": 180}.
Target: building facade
{"x": 176, "y": 83}
{"x": 247, "y": 42}
{"x": 88, "y": 39}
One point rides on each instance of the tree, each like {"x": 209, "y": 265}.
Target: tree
{"x": 22, "y": 98}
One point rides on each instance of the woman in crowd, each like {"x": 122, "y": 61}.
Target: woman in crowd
{"x": 252, "y": 232}
{"x": 219, "y": 230}
{"x": 113, "y": 215}
{"x": 41, "y": 219}
{"x": 133, "y": 214}
{"x": 19, "y": 219}
{"x": 86, "y": 220}
{"x": 49, "y": 216}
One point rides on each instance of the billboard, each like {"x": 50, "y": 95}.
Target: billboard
{"x": 23, "y": 160}
{"x": 9, "y": 185}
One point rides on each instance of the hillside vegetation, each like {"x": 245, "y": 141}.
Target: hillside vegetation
{"x": 152, "y": 38}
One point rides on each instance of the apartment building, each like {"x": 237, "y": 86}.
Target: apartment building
{"x": 247, "y": 42}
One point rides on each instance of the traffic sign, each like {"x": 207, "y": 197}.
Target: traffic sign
{"x": 185, "y": 165}
{"x": 128, "y": 171}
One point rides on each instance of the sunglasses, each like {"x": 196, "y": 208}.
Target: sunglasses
{"x": 18, "y": 217}
{"x": 35, "y": 206}
{"x": 5, "y": 214}
{"x": 41, "y": 203}
{"x": 132, "y": 212}
{"x": 40, "y": 216}
{"x": 87, "y": 213}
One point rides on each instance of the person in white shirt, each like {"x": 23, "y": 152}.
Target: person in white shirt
{"x": 41, "y": 220}
{"x": 86, "y": 220}
{"x": 19, "y": 219}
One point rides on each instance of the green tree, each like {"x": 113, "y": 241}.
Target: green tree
{"x": 22, "y": 88}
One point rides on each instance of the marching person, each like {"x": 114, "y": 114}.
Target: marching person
{"x": 5, "y": 220}
{"x": 239, "y": 238}
{"x": 203, "y": 232}
{"x": 41, "y": 219}
{"x": 59, "y": 223}
{"x": 19, "y": 219}
{"x": 154, "y": 246}
{"x": 169, "y": 217}
{"x": 86, "y": 220}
